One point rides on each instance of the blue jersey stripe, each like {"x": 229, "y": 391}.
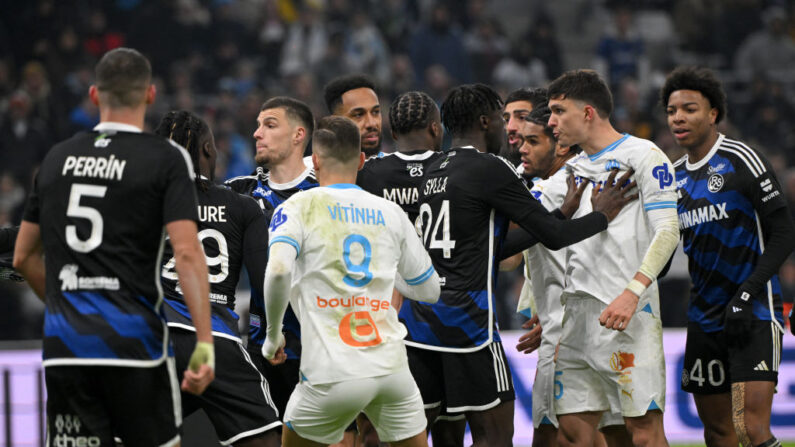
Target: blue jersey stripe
{"x": 81, "y": 345}
{"x": 422, "y": 278}
{"x": 287, "y": 240}
{"x": 728, "y": 237}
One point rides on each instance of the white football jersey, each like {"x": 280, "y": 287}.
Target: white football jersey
{"x": 350, "y": 246}
{"x": 545, "y": 268}
{"x": 602, "y": 265}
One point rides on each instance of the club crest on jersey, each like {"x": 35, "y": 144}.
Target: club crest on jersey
{"x": 447, "y": 160}
{"x": 662, "y": 175}
{"x": 612, "y": 164}
{"x": 277, "y": 220}
{"x": 715, "y": 183}
{"x": 415, "y": 169}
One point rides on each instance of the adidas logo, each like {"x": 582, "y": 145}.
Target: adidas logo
{"x": 736, "y": 309}
{"x": 762, "y": 366}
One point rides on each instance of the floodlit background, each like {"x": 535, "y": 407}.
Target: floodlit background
{"x": 223, "y": 58}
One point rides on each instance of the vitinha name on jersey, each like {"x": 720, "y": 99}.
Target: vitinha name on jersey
{"x": 354, "y": 214}
{"x": 709, "y": 213}
{"x": 109, "y": 168}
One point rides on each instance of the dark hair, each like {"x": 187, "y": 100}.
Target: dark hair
{"x": 465, "y": 104}
{"x": 337, "y": 137}
{"x": 700, "y": 79}
{"x": 586, "y": 86}
{"x": 337, "y": 87}
{"x": 189, "y": 131}
{"x": 411, "y": 111}
{"x": 540, "y": 116}
{"x": 122, "y": 76}
{"x": 295, "y": 110}
{"x": 535, "y": 96}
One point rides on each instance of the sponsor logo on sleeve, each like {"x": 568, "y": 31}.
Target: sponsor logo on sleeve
{"x": 278, "y": 219}
{"x": 662, "y": 175}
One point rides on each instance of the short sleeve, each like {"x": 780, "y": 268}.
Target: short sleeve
{"x": 655, "y": 176}
{"x": 286, "y": 226}
{"x": 179, "y": 199}
{"x": 33, "y": 207}
{"x": 414, "y": 264}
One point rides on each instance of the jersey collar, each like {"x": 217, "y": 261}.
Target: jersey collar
{"x": 705, "y": 160}
{"x": 417, "y": 155}
{"x": 118, "y": 127}
{"x": 609, "y": 148}
{"x": 343, "y": 186}
{"x": 292, "y": 183}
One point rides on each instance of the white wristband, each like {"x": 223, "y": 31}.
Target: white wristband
{"x": 636, "y": 287}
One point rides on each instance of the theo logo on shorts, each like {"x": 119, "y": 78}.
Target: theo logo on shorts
{"x": 67, "y": 433}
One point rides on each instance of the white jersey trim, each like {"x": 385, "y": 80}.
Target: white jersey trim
{"x": 768, "y": 285}
{"x": 103, "y": 362}
{"x": 488, "y": 406}
{"x": 699, "y": 164}
{"x": 188, "y": 327}
{"x": 309, "y": 171}
{"x": 415, "y": 157}
{"x": 746, "y": 155}
{"x": 176, "y": 397}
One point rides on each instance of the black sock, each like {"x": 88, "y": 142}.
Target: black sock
{"x": 772, "y": 442}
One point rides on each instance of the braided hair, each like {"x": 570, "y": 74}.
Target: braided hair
{"x": 411, "y": 111}
{"x": 189, "y": 131}
{"x": 465, "y": 104}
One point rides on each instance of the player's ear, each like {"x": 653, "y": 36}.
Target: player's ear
{"x": 151, "y": 93}
{"x": 300, "y": 135}
{"x": 93, "y": 94}
{"x": 713, "y": 115}
{"x": 484, "y": 122}
{"x": 394, "y": 135}
{"x": 434, "y": 129}
{"x": 315, "y": 164}
{"x": 589, "y": 112}
{"x": 361, "y": 161}
{"x": 562, "y": 151}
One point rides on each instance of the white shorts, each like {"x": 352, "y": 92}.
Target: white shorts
{"x": 545, "y": 390}
{"x": 393, "y": 404}
{"x": 606, "y": 370}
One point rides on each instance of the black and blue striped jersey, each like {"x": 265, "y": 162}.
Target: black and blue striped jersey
{"x": 233, "y": 233}
{"x": 397, "y": 177}
{"x": 722, "y": 199}
{"x": 102, "y": 199}
{"x": 269, "y": 195}
{"x": 467, "y": 199}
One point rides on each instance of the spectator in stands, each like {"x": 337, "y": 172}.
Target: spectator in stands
{"x": 770, "y": 51}
{"x": 620, "y": 53}
{"x": 440, "y": 42}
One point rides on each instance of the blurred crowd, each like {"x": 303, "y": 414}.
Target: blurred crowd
{"x": 223, "y": 58}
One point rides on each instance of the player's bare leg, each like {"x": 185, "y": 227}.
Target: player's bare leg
{"x": 348, "y": 440}
{"x": 751, "y": 406}
{"x": 545, "y": 435}
{"x": 292, "y": 439}
{"x": 270, "y": 438}
{"x": 647, "y": 430}
{"x": 446, "y": 433}
{"x": 493, "y": 427}
{"x": 715, "y": 412}
{"x": 615, "y": 436}
{"x": 418, "y": 440}
{"x": 578, "y": 429}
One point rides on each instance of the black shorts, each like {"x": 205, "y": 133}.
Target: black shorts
{"x": 710, "y": 366}
{"x": 461, "y": 382}
{"x": 282, "y": 378}
{"x": 90, "y": 405}
{"x": 237, "y": 402}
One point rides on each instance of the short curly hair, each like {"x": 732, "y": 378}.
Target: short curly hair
{"x": 700, "y": 79}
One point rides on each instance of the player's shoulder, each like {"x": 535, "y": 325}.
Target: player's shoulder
{"x": 245, "y": 179}
{"x": 743, "y": 156}
{"x": 681, "y": 163}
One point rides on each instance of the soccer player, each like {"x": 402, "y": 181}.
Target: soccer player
{"x": 284, "y": 127}
{"x": 335, "y": 252}
{"x": 90, "y": 245}
{"x": 233, "y": 232}
{"x": 544, "y": 159}
{"x": 736, "y": 232}
{"x": 466, "y": 200}
{"x": 353, "y": 96}
{"x": 519, "y": 104}
{"x": 610, "y": 356}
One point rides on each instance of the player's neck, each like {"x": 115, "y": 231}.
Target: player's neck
{"x": 288, "y": 171}
{"x": 476, "y": 140}
{"x": 133, "y": 117}
{"x": 557, "y": 164}
{"x": 697, "y": 153}
{"x": 601, "y": 136}
{"x": 332, "y": 178}
{"x": 412, "y": 143}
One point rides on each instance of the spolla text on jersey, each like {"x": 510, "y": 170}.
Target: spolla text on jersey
{"x": 709, "y": 213}
{"x": 435, "y": 185}
{"x": 109, "y": 168}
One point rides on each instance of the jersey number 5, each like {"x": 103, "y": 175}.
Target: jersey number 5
{"x": 86, "y": 212}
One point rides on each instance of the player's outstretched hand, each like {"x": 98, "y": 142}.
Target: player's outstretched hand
{"x": 273, "y": 350}
{"x": 201, "y": 369}
{"x": 737, "y": 319}
{"x": 611, "y": 197}
{"x": 572, "y": 200}
{"x": 531, "y": 340}
{"x": 620, "y": 311}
